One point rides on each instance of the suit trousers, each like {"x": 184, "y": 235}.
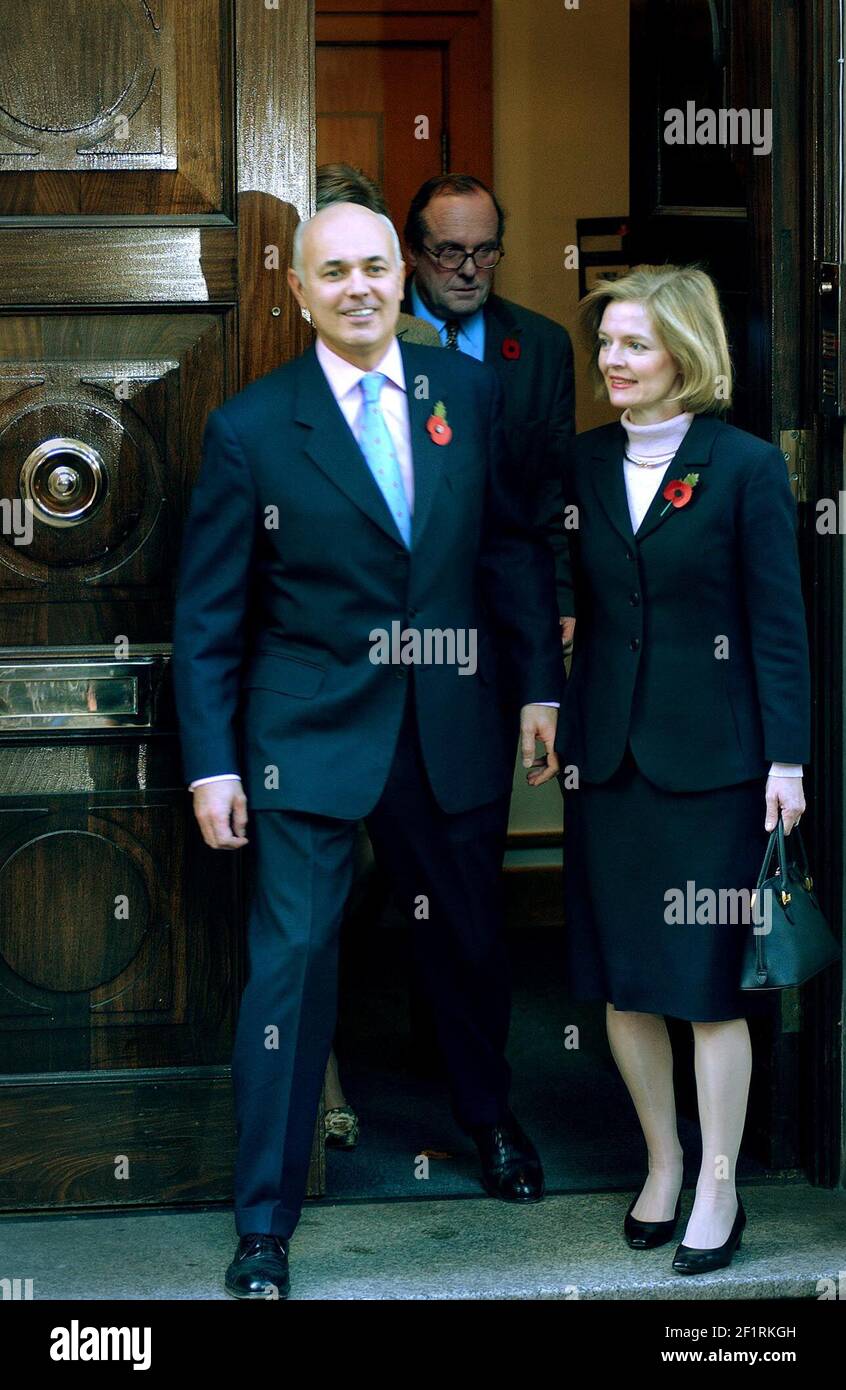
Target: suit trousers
{"x": 445, "y": 872}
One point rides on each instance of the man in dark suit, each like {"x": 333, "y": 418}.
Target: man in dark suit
{"x": 454, "y": 232}
{"x": 344, "y": 183}
{"x": 357, "y": 579}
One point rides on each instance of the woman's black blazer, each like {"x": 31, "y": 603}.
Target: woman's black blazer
{"x": 690, "y": 638}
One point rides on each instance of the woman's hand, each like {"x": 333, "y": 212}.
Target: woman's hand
{"x": 784, "y": 794}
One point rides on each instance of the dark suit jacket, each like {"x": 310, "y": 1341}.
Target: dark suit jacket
{"x": 652, "y": 610}
{"x": 539, "y": 386}
{"x": 273, "y": 623}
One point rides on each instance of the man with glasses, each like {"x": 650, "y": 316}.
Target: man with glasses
{"x": 454, "y": 233}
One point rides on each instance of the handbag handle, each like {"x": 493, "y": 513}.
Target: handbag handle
{"x": 778, "y": 841}
{"x": 775, "y": 843}
{"x": 802, "y": 863}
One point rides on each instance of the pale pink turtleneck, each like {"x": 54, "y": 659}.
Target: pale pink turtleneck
{"x": 658, "y": 441}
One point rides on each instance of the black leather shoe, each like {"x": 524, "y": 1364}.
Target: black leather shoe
{"x": 260, "y": 1268}
{"x": 648, "y": 1235}
{"x": 511, "y": 1168}
{"x": 689, "y": 1260}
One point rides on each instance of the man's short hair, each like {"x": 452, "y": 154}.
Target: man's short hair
{"x": 415, "y": 226}
{"x": 344, "y": 183}
{"x": 299, "y": 233}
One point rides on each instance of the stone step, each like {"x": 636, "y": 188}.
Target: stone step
{"x": 569, "y": 1246}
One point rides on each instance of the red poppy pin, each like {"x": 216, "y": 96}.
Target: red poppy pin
{"x": 511, "y": 349}
{"x": 439, "y": 431}
{"x": 679, "y": 492}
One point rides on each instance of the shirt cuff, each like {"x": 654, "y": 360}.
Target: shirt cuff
{"x": 785, "y": 770}
{"x": 218, "y": 777}
{"x": 551, "y": 704}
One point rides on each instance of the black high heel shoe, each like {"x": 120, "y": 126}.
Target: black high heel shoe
{"x": 648, "y": 1235}
{"x": 688, "y": 1260}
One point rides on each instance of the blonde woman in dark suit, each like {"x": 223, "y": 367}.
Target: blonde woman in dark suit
{"x": 687, "y": 717}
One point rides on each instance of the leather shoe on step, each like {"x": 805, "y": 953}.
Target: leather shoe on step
{"x": 511, "y": 1168}
{"x": 648, "y": 1235}
{"x": 259, "y": 1268}
{"x": 689, "y": 1260}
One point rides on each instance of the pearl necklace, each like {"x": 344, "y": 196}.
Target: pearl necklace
{"x": 651, "y": 463}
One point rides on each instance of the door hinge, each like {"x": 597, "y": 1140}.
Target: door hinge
{"x": 798, "y": 449}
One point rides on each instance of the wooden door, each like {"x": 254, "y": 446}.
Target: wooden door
{"x": 756, "y": 223}
{"x": 154, "y": 159}
{"x": 823, "y": 375}
{"x": 366, "y": 114}
{"x": 404, "y": 91}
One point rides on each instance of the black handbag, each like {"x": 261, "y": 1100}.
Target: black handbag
{"x": 790, "y": 939}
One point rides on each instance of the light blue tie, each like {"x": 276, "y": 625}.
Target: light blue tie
{"x": 377, "y": 446}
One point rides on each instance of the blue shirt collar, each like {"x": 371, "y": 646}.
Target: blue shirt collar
{"x": 471, "y": 332}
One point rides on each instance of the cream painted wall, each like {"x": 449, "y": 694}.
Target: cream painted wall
{"x": 561, "y": 131}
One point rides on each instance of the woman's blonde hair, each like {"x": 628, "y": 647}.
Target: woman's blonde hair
{"x": 685, "y": 311}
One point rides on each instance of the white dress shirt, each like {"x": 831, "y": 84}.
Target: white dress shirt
{"x": 344, "y": 380}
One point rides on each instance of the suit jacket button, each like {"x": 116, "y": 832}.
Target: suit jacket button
{"x": 629, "y": 555}
{"x": 634, "y": 600}
{"x": 400, "y": 673}
{"x": 635, "y": 643}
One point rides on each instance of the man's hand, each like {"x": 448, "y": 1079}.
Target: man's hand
{"x": 784, "y": 794}
{"x": 568, "y": 627}
{"x": 221, "y": 811}
{"x": 538, "y": 724}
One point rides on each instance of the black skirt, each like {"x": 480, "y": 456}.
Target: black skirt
{"x": 641, "y": 933}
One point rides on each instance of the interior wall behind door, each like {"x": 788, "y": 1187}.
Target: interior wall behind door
{"x": 404, "y": 91}
{"x": 561, "y": 150}
{"x": 368, "y": 101}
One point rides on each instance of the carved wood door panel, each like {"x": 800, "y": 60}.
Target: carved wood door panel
{"x": 153, "y": 153}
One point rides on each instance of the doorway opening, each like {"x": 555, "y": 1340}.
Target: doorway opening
{"x": 763, "y": 227}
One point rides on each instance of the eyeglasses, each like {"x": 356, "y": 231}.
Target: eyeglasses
{"x": 455, "y": 257}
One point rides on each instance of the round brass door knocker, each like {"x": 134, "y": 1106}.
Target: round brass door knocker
{"x": 66, "y": 481}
